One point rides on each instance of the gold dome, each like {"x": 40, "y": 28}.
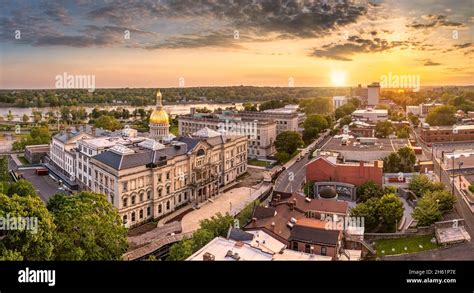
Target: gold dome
{"x": 159, "y": 115}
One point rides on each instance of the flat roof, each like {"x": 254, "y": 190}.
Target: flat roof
{"x": 366, "y": 111}
{"x": 219, "y": 248}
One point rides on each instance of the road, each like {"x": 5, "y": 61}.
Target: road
{"x": 293, "y": 178}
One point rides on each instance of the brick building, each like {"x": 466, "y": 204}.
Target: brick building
{"x": 448, "y": 133}
{"x": 321, "y": 169}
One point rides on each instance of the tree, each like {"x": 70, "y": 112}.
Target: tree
{"x": 108, "y": 122}
{"x": 181, "y": 250}
{"x": 346, "y": 120}
{"x": 407, "y": 159}
{"x": 369, "y": 211}
{"x": 415, "y": 121}
{"x": 421, "y": 184}
{"x": 250, "y": 107}
{"x": 288, "y": 142}
{"x": 441, "y": 115}
{"x": 383, "y": 129}
{"x": 368, "y": 190}
{"x": 391, "y": 163}
{"x": 345, "y": 110}
{"x": 34, "y": 242}
{"x": 22, "y": 188}
{"x": 282, "y": 157}
{"x": 391, "y": 211}
{"x": 88, "y": 228}
{"x": 25, "y": 118}
{"x": 218, "y": 224}
{"x": 403, "y": 132}
{"x": 426, "y": 212}
{"x": 443, "y": 198}
{"x": 315, "y": 124}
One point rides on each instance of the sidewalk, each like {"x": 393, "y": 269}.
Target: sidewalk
{"x": 232, "y": 202}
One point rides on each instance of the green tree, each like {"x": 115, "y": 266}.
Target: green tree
{"x": 88, "y": 228}
{"x": 369, "y": 211}
{"x": 421, "y": 184}
{"x": 314, "y": 124}
{"x": 383, "y": 129}
{"x": 443, "y": 198}
{"x": 391, "y": 163}
{"x": 407, "y": 159}
{"x": 34, "y": 243}
{"x": 22, "y": 188}
{"x": 403, "y": 132}
{"x": 368, "y": 190}
{"x": 107, "y": 122}
{"x": 218, "y": 225}
{"x": 391, "y": 211}
{"x": 288, "y": 142}
{"x": 441, "y": 115}
{"x": 426, "y": 212}
{"x": 181, "y": 250}
{"x": 346, "y": 120}
{"x": 25, "y": 118}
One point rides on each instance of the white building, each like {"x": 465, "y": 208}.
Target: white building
{"x": 370, "y": 115}
{"x": 338, "y": 101}
{"x": 415, "y": 110}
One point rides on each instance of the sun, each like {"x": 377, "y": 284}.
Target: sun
{"x": 338, "y": 78}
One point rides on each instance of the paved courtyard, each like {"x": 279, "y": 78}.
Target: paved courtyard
{"x": 230, "y": 202}
{"x": 45, "y": 186}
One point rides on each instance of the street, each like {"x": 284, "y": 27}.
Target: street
{"x": 293, "y": 178}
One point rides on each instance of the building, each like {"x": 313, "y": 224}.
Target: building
{"x": 88, "y": 148}
{"x": 373, "y": 94}
{"x": 447, "y": 133}
{"x": 159, "y": 121}
{"x": 338, "y": 101}
{"x": 303, "y": 225}
{"x": 426, "y": 108}
{"x": 370, "y": 115}
{"x": 360, "y": 93}
{"x": 361, "y": 129}
{"x": 34, "y": 154}
{"x": 458, "y": 159}
{"x": 285, "y": 119}
{"x": 288, "y": 110}
{"x": 261, "y": 134}
{"x": 415, "y": 110}
{"x": 62, "y": 150}
{"x": 321, "y": 169}
{"x": 150, "y": 180}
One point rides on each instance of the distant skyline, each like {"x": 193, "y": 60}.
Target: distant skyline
{"x": 231, "y": 43}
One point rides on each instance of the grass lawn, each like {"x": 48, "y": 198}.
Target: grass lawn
{"x": 397, "y": 246}
{"x": 23, "y": 160}
{"x": 256, "y": 162}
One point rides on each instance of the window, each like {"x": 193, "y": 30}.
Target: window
{"x": 133, "y": 217}
{"x": 159, "y": 209}
{"x": 307, "y": 248}
{"x": 179, "y": 198}
{"x": 125, "y": 185}
{"x": 168, "y": 190}
{"x": 141, "y": 214}
{"x": 141, "y": 197}
{"x": 148, "y": 211}
{"x": 295, "y": 245}
{"x": 133, "y": 199}
{"x": 168, "y": 205}
{"x": 125, "y": 219}
{"x": 148, "y": 194}
{"x": 186, "y": 195}
{"x": 125, "y": 202}
{"x": 168, "y": 176}
{"x": 200, "y": 153}
{"x": 323, "y": 250}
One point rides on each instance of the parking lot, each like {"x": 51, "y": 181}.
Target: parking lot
{"x": 45, "y": 186}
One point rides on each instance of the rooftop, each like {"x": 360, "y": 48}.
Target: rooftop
{"x": 230, "y": 250}
{"x": 365, "y": 111}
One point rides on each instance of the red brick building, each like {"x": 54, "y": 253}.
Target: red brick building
{"x": 321, "y": 169}
{"x": 448, "y": 133}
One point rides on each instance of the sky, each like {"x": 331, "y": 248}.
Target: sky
{"x": 191, "y": 43}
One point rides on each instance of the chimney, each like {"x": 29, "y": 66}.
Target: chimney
{"x": 273, "y": 227}
{"x": 254, "y": 222}
{"x": 208, "y": 257}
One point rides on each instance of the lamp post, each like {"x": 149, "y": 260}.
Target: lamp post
{"x": 460, "y": 164}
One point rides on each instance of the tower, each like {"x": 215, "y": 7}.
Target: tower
{"x": 159, "y": 120}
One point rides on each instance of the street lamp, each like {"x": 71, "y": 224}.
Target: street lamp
{"x": 460, "y": 164}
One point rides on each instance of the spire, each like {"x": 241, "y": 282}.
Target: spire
{"x": 159, "y": 103}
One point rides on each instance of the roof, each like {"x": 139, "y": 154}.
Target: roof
{"x": 289, "y": 254}
{"x": 314, "y": 235}
{"x": 239, "y": 235}
{"x": 206, "y": 133}
{"x": 221, "y": 249}
{"x": 320, "y": 205}
{"x": 264, "y": 212}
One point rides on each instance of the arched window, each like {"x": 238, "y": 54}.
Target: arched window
{"x": 141, "y": 197}
{"x": 201, "y": 153}
{"x": 133, "y": 217}
{"x": 133, "y": 199}
{"x": 148, "y": 194}
{"x": 125, "y": 202}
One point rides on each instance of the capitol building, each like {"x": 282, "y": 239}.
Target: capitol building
{"x": 149, "y": 177}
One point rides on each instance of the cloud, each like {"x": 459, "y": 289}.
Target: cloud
{"x": 435, "y": 21}
{"x": 428, "y": 62}
{"x": 354, "y": 45}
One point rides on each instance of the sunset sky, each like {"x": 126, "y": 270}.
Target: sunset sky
{"x": 307, "y": 41}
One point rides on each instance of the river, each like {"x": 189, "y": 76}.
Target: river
{"x": 173, "y": 110}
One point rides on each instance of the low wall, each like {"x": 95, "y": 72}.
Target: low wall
{"x": 428, "y": 230}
